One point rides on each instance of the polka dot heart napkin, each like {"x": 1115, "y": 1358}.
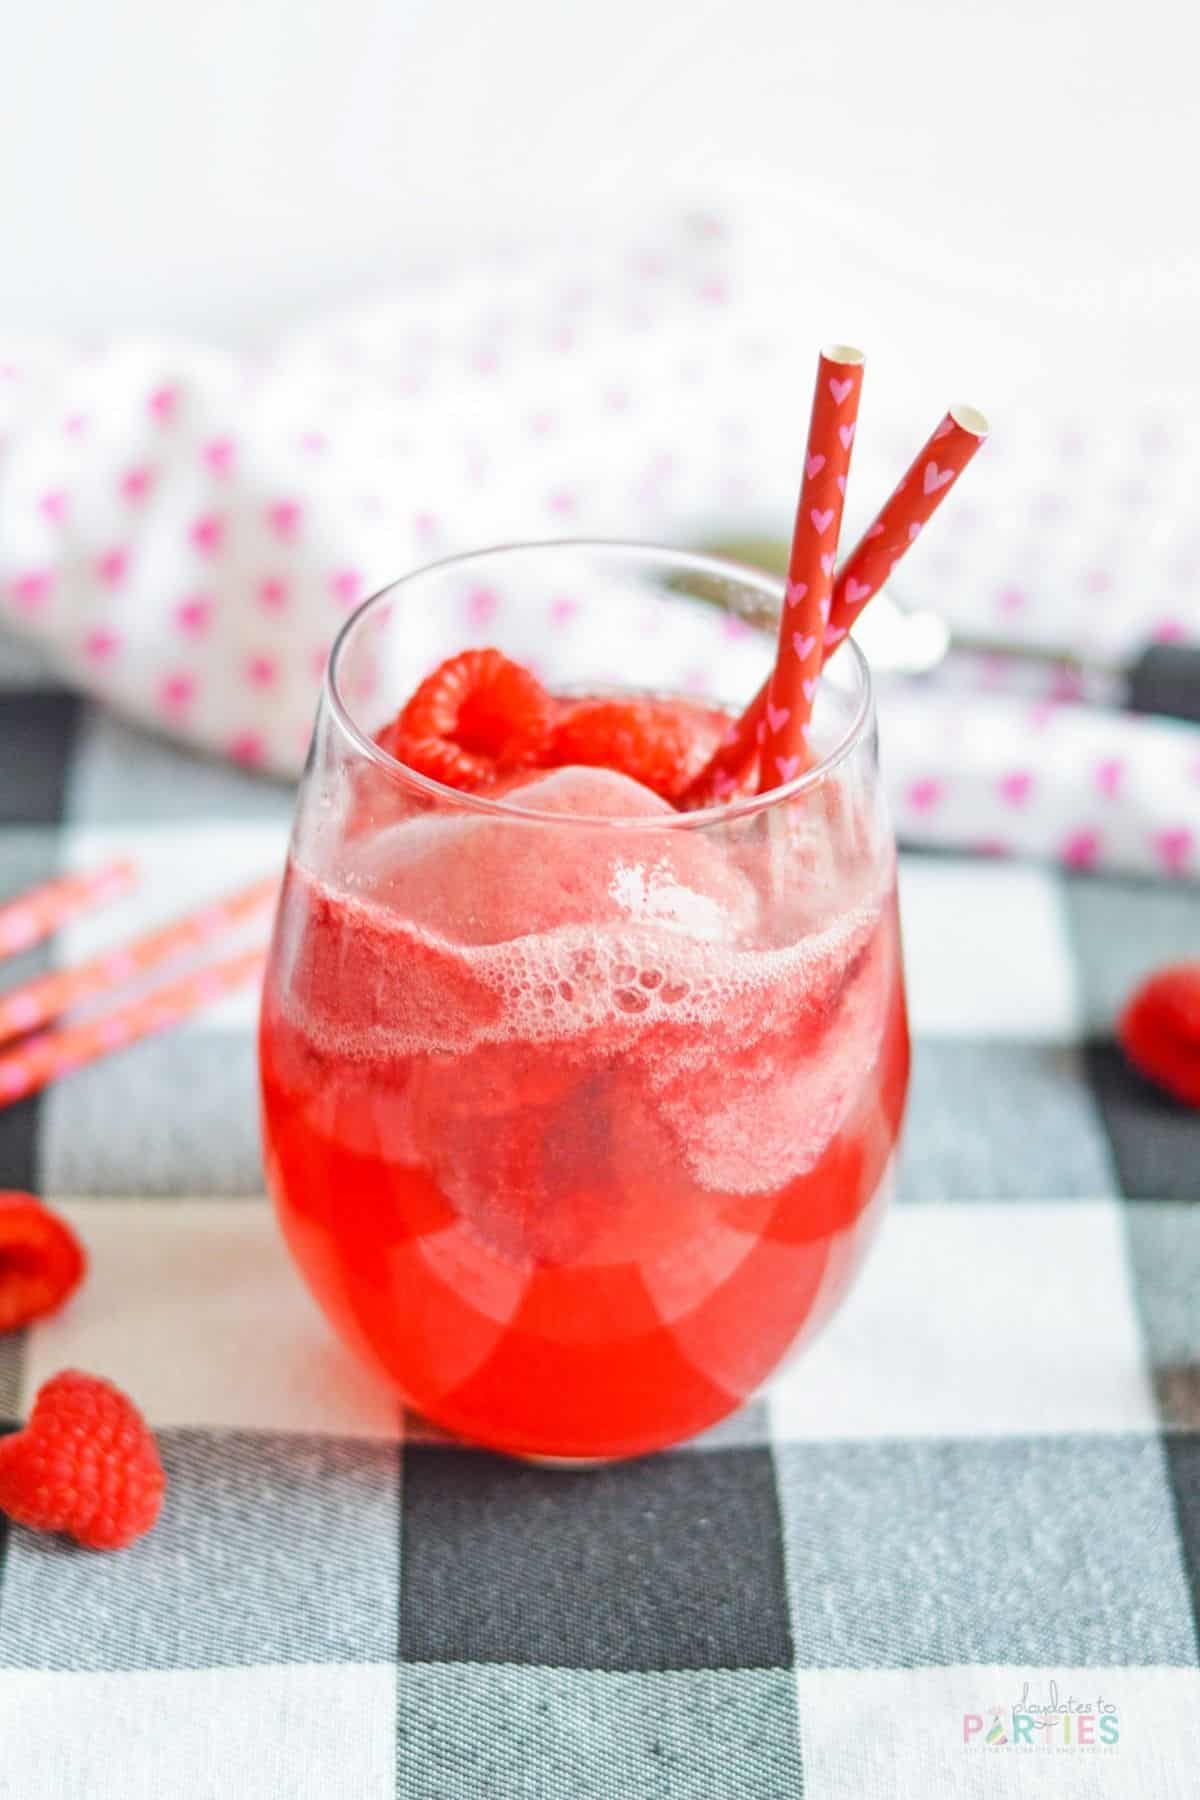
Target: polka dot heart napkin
{"x": 185, "y": 529}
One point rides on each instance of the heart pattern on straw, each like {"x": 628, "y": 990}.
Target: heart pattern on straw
{"x": 43, "y": 1058}
{"x": 911, "y": 504}
{"x": 36, "y": 915}
{"x": 40, "y": 999}
{"x": 793, "y": 682}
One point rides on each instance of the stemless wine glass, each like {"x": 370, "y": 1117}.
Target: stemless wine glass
{"x": 579, "y": 1111}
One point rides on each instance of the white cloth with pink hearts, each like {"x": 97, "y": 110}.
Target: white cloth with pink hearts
{"x": 185, "y": 529}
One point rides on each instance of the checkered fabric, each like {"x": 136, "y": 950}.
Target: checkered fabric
{"x": 986, "y": 1474}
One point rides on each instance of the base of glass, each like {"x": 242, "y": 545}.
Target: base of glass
{"x": 564, "y": 1462}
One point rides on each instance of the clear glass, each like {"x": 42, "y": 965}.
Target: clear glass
{"x": 578, "y": 1115}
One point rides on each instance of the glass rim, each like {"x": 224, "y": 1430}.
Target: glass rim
{"x": 693, "y": 561}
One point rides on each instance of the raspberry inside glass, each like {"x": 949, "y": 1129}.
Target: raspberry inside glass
{"x": 478, "y": 717}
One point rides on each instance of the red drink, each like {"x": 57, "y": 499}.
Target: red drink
{"x": 575, "y": 1130}
{"x": 578, "y": 1109}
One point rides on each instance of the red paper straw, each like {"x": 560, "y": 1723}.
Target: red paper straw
{"x": 43, "y": 998}
{"x": 913, "y": 502}
{"x": 54, "y": 1053}
{"x": 897, "y": 526}
{"x": 808, "y": 597}
{"x": 41, "y": 912}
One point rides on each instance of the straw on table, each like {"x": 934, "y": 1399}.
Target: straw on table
{"x": 36, "y": 915}
{"x": 36, "y": 1002}
{"x": 44, "y": 1058}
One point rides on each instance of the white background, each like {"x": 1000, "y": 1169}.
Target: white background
{"x": 220, "y": 168}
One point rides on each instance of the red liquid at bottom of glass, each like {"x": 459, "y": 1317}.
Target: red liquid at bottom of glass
{"x": 539, "y": 1243}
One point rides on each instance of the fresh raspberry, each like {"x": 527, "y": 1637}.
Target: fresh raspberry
{"x": 442, "y": 761}
{"x": 661, "y": 743}
{"x": 1159, "y": 1030}
{"x": 85, "y": 1464}
{"x": 477, "y": 717}
{"x": 41, "y": 1260}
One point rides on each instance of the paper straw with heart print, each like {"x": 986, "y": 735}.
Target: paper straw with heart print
{"x": 895, "y": 528}
{"x": 40, "y": 912}
{"x": 42, "y": 1059}
{"x": 908, "y": 509}
{"x": 43, "y": 998}
{"x": 808, "y": 596}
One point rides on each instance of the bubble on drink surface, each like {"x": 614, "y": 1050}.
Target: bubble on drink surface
{"x": 381, "y": 984}
{"x": 587, "y": 948}
{"x": 747, "y": 1121}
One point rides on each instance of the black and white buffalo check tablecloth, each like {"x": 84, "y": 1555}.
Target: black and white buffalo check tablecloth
{"x": 985, "y": 1475}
